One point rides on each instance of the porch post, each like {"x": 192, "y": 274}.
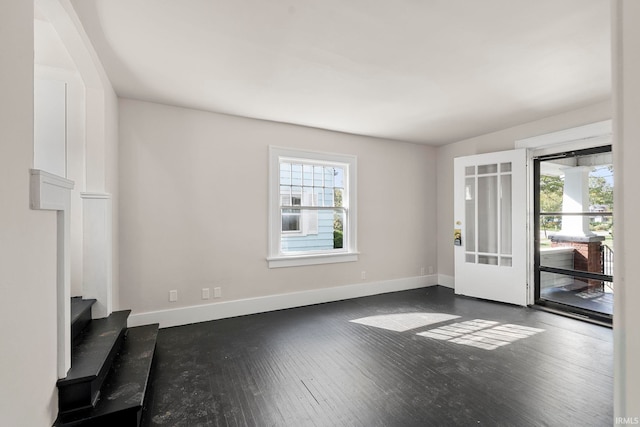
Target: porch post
{"x": 575, "y": 199}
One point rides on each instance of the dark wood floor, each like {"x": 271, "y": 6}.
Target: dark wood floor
{"x": 494, "y": 365}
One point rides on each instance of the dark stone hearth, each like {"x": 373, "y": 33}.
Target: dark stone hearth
{"x": 80, "y": 316}
{"x": 110, "y": 369}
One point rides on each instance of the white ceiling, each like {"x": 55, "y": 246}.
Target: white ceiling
{"x": 426, "y": 71}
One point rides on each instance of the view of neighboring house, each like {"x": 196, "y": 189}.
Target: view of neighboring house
{"x": 312, "y": 211}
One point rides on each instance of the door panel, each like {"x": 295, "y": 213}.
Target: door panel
{"x": 490, "y": 212}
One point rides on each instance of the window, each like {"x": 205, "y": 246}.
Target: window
{"x": 312, "y": 208}
{"x": 488, "y": 214}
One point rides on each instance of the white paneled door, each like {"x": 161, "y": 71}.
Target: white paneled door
{"x": 490, "y": 226}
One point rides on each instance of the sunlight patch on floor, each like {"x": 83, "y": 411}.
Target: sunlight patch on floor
{"x": 401, "y": 322}
{"x": 485, "y": 334}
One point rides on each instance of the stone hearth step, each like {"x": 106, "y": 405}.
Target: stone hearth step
{"x": 91, "y": 360}
{"x": 123, "y": 392}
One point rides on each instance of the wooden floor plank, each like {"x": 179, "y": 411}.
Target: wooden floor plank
{"x": 313, "y": 366}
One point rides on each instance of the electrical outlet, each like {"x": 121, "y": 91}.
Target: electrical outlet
{"x": 431, "y": 269}
{"x": 205, "y": 293}
{"x": 173, "y": 296}
{"x": 363, "y": 275}
{"x": 217, "y": 292}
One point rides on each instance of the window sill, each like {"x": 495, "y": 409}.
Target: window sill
{"x": 315, "y": 259}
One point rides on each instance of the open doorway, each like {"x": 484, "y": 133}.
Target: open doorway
{"x": 574, "y": 232}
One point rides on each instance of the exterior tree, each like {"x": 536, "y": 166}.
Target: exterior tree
{"x": 600, "y": 192}
{"x": 601, "y": 195}
{"x": 551, "y": 190}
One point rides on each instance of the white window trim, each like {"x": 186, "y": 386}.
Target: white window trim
{"x": 276, "y": 258}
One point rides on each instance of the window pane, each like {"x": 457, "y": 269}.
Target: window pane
{"x": 506, "y": 261}
{"x": 290, "y": 219}
{"x": 328, "y": 197}
{"x": 484, "y": 169}
{"x": 319, "y": 196}
{"x": 551, "y": 193}
{"x": 296, "y": 174}
{"x": 338, "y": 229}
{"x": 470, "y": 258}
{"x": 328, "y": 176}
{"x": 469, "y": 239}
{"x": 318, "y": 230}
{"x": 470, "y": 170}
{"x": 487, "y": 214}
{"x": 307, "y": 196}
{"x": 505, "y": 215}
{"x": 285, "y": 173}
{"x": 337, "y": 197}
{"x": 309, "y": 220}
{"x": 296, "y": 196}
{"x": 285, "y": 195}
{"x": 318, "y": 178}
{"x": 505, "y": 167}
{"x": 307, "y": 175}
{"x": 339, "y": 177}
{"x": 488, "y": 259}
{"x": 601, "y": 190}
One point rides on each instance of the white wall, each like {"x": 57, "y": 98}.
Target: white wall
{"x": 28, "y": 395}
{"x": 193, "y": 207}
{"x": 626, "y": 150}
{"x": 496, "y": 141}
{"x": 50, "y": 130}
{"x": 53, "y": 63}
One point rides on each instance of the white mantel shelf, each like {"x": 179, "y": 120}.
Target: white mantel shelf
{"x": 49, "y": 191}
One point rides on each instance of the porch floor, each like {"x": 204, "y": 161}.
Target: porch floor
{"x": 600, "y": 301}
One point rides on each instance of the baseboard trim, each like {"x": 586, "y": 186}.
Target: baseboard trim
{"x": 446, "y": 281}
{"x": 222, "y": 310}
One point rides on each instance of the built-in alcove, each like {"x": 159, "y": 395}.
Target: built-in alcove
{"x": 69, "y": 161}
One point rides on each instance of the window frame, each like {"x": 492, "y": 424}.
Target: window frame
{"x": 276, "y": 257}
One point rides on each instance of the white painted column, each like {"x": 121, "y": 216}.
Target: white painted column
{"x": 52, "y": 192}
{"x": 97, "y": 252}
{"x": 576, "y": 199}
